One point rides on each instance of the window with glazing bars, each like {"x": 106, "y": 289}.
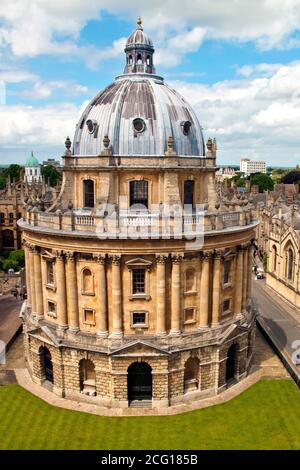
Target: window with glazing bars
{"x": 138, "y": 281}
{"x": 50, "y": 272}
{"x": 89, "y": 197}
{"x": 138, "y": 318}
{"x": 226, "y": 272}
{"x": 139, "y": 193}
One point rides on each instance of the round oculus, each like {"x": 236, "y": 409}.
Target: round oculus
{"x": 91, "y": 125}
{"x": 139, "y": 125}
{"x": 186, "y": 126}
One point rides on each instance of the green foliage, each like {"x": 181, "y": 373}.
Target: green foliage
{"x": 264, "y": 417}
{"x": 263, "y": 181}
{"x": 51, "y": 174}
{"x": 291, "y": 177}
{"x": 14, "y": 171}
{"x": 15, "y": 260}
{"x": 265, "y": 262}
{"x": 2, "y": 182}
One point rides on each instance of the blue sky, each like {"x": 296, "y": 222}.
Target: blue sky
{"x": 236, "y": 62}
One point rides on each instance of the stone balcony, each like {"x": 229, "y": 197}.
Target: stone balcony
{"x": 151, "y": 224}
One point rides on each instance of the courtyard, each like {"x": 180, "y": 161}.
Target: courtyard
{"x": 266, "y": 416}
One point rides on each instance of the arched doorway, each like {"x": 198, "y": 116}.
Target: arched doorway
{"x": 231, "y": 364}
{"x": 46, "y": 362}
{"x": 87, "y": 377}
{"x": 191, "y": 374}
{"x": 139, "y": 382}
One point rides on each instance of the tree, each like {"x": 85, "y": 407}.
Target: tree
{"x": 15, "y": 260}
{"x": 291, "y": 177}
{"x": 14, "y": 171}
{"x": 2, "y": 181}
{"x": 263, "y": 181}
{"x": 51, "y": 174}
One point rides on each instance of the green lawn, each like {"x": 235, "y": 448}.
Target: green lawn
{"x": 266, "y": 416}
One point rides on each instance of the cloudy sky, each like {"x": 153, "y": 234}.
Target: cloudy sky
{"x": 237, "y": 62}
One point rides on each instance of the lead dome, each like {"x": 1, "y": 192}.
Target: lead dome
{"x": 139, "y": 112}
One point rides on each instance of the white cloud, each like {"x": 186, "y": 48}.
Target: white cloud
{"x": 178, "y": 45}
{"x": 43, "y": 90}
{"x": 258, "y": 69}
{"x": 259, "y": 117}
{"x": 33, "y": 27}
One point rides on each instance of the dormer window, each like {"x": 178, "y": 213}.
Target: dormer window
{"x": 91, "y": 125}
{"x": 139, "y": 125}
{"x": 186, "y": 126}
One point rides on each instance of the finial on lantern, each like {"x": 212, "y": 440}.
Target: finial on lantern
{"x": 139, "y": 23}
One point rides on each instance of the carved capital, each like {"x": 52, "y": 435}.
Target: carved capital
{"x": 161, "y": 259}
{"x": 101, "y": 259}
{"x": 176, "y": 258}
{"x": 116, "y": 260}
{"x": 70, "y": 256}
{"x": 218, "y": 254}
{"x": 60, "y": 255}
{"x": 206, "y": 255}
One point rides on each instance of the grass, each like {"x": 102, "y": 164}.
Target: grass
{"x": 266, "y": 416}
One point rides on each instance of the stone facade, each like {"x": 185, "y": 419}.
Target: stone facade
{"x": 122, "y": 319}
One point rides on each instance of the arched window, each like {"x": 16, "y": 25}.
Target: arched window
{"x": 46, "y": 364}
{"x": 274, "y": 252}
{"x": 139, "y": 193}
{"x": 87, "y": 281}
{"x": 289, "y": 264}
{"x": 148, "y": 60}
{"x": 50, "y": 272}
{"x": 139, "y": 59}
{"x": 87, "y": 377}
{"x": 231, "y": 364}
{"x": 89, "y": 193}
{"x": 11, "y": 218}
{"x": 2, "y": 218}
{"x": 139, "y": 382}
{"x": 191, "y": 374}
{"x": 190, "y": 280}
{"x": 130, "y": 60}
{"x": 188, "y": 193}
{"x": 8, "y": 239}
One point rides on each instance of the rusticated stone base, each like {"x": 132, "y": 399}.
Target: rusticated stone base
{"x": 100, "y": 375}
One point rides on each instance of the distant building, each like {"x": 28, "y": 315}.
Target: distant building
{"x": 52, "y": 162}
{"x": 225, "y": 173}
{"x": 32, "y": 169}
{"x": 249, "y": 167}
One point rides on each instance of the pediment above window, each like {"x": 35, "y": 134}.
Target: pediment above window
{"x": 138, "y": 263}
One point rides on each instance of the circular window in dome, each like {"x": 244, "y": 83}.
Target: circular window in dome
{"x": 186, "y": 126}
{"x": 139, "y": 125}
{"x": 91, "y": 125}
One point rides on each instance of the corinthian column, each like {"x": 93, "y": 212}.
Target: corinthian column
{"x": 176, "y": 292}
{"x": 32, "y": 279}
{"x": 62, "y": 317}
{"x": 72, "y": 292}
{"x": 216, "y": 288}
{"x": 205, "y": 290}
{"x": 39, "y": 306}
{"x": 117, "y": 296}
{"x": 27, "y": 272}
{"x": 249, "y": 280}
{"x": 102, "y": 306}
{"x": 161, "y": 295}
{"x": 245, "y": 278}
{"x": 239, "y": 282}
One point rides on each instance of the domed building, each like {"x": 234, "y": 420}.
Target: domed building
{"x": 139, "y": 275}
